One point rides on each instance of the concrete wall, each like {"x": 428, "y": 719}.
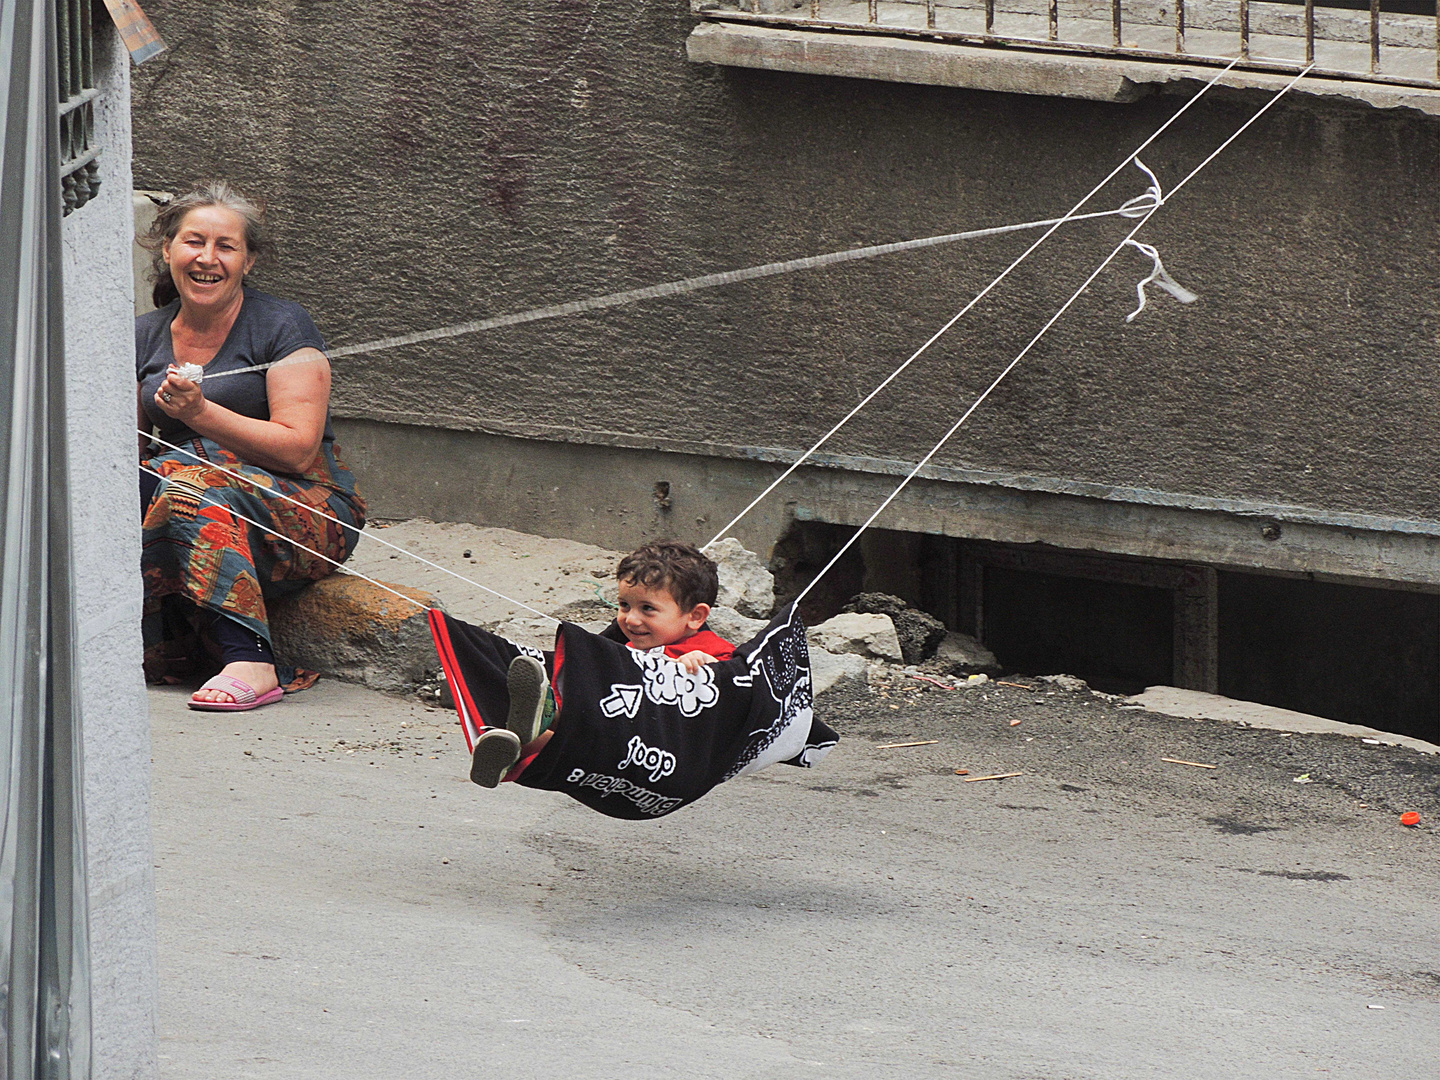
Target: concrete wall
{"x": 434, "y": 162}
{"x": 100, "y": 355}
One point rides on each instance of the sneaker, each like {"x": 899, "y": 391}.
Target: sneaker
{"x": 529, "y": 694}
{"x": 496, "y": 751}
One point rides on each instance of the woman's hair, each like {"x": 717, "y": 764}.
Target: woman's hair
{"x": 168, "y": 220}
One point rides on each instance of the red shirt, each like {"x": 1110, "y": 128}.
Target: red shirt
{"x": 706, "y": 641}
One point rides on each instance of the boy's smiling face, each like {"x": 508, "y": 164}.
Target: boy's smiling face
{"x": 651, "y": 617}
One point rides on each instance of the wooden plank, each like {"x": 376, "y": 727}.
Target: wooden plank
{"x": 136, "y": 30}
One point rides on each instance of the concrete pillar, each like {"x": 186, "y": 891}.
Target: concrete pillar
{"x": 99, "y": 350}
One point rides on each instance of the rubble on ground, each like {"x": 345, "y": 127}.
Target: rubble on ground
{"x": 961, "y": 654}
{"x": 363, "y": 633}
{"x": 919, "y": 632}
{"x": 531, "y": 630}
{"x": 1064, "y": 682}
{"x": 828, "y": 670}
{"x": 356, "y": 631}
{"x": 863, "y": 635}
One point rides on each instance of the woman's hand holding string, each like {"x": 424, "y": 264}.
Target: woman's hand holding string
{"x": 180, "y": 398}
{"x": 298, "y": 391}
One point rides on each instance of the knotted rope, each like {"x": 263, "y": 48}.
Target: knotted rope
{"x": 1159, "y": 200}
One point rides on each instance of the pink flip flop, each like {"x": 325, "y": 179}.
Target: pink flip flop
{"x": 242, "y": 692}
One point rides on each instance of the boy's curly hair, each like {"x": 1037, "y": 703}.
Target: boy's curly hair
{"x": 681, "y": 569}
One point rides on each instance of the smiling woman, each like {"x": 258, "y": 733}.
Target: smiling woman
{"x": 207, "y": 572}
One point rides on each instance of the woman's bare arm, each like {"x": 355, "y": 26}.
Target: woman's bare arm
{"x": 299, "y": 391}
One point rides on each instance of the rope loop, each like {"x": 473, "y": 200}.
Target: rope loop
{"x": 1157, "y": 276}
{"x": 1152, "y": 199}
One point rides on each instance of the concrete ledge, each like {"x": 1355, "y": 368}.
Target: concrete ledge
{"x": 1193, "y": 705}
{"x": 1004, "y": 69}
{"x": 894, "y": 59}
{"x": 355, "y": 631}
{"x": 609, "y": 500}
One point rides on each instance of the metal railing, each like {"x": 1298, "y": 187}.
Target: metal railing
{"x": 75, "y": 52}
{"x": 1365, "y": 43}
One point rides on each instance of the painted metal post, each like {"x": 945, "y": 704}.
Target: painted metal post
{"x": 44, "y": 944}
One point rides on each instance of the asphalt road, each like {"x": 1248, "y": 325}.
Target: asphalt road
{"x": 357, "y": 909}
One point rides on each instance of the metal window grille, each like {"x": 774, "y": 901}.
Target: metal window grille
{"x": 75, "y": 41}
{"x": 1389, "y": 41}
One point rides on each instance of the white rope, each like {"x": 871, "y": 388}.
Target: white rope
{"x": 265, "y": 528}
{"x": 1161, "y": 201}
{"x": 687, "y": 285}
{"x": 1129, "y": 209}
{"x": 1158, "y": 276}
{"x": 371, "y": 535}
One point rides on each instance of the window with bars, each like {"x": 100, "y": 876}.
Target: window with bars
{"x": 79, "y": 165}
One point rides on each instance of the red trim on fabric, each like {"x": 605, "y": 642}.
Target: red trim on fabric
{"x": 441, "y": 633}
{"x": 519, "y": 767}
{"x": 555, "y": 675}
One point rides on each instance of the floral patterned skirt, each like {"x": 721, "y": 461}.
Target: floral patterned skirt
{"x": 197, "y": 543}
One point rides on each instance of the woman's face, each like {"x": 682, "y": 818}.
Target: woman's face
{"x": 208, "y": 258}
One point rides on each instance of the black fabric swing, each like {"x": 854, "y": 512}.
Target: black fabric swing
{"x": 635, "y": 735}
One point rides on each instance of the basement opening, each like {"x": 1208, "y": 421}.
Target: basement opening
{"x": 1362, "y": 654}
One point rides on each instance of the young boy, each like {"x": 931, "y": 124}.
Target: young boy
{"x": 666, "y": 592}
{"x": 646, "y": 717}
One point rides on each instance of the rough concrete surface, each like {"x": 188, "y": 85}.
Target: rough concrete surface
{"x": 1175, "y": 701}
{"x": 100, "y": 403}
{"x": 337, "y": 900}
{"x": 545, "y": 573}
{"x": 1005, "y": 70}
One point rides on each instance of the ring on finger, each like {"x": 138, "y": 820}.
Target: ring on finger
{"x": 166, "y": 396}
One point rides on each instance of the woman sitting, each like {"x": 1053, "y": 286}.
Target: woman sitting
{"x": 207, "y": 570}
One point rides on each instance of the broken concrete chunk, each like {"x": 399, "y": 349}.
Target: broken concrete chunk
{"x": 358, "y": 632}
{"x": 920, "y": 633}
{"x": 961, "y": 654}
{"x": 863, "y": 635}
{"x": 1064, "y": 682}
{"x": 828, "y": 670}
{"x": 745, "y": 583}
{"x": 732, "y": 626}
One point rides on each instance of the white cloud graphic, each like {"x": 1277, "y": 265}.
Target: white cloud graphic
{"x": 668, "y": 683}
